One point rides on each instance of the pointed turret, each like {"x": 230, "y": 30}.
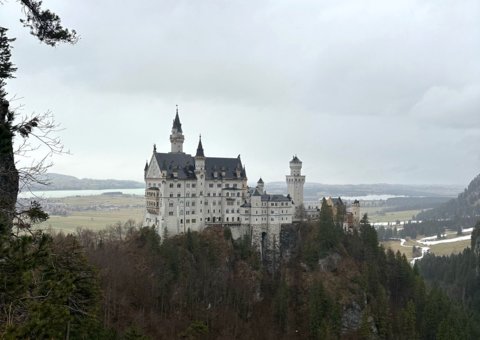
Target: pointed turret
{"x": 176, "y": 123}
{"x": 199, "y": 157}
{"x": 177, "y": 138}
{"x": 200, "y": 148}
{"x": 145, "y": 170}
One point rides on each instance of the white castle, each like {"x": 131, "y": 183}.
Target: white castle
{"x": 192, "y": 192}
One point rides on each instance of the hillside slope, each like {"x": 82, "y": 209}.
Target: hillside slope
{"x": 465, "y": 206}
{"x": 65, "y": 182}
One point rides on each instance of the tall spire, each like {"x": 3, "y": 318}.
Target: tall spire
{"x": 176, "y": 123}
{"x": 200, "y": 148}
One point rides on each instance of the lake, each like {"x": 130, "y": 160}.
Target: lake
{"x": 68, "y": 193}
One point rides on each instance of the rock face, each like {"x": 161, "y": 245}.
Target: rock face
{"x": 329, "y": 263}
{"x": 351, "y": 317}
{"x": 289, "y": 237}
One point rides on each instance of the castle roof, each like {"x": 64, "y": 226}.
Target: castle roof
{"x": 200, "y": 149}
{"x": 337, "y": 201}
{"x": 275, "y": 198}
{"x": 184, "y": 165}
{"x": 176, "y": 123}
{"x": 296, "y": 159}
{"x": 256, "y": 192}
{"x": 260, "y": 180}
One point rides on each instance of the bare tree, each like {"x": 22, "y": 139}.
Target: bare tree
{"x": 47, "y": 27}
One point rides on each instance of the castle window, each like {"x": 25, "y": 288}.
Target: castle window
{"x": 187, "y": 212}
{"x": 171, "y": 194}
{"x": 214, "y": 194}
{"x": 194, "y": 220}
{"x": 238, "y": 194}
{"x": 227, "y": 219}
{"x": 179, "y": 185}
{"x": 188, "y": 194}
{"x": 219, "y": 185}
{"x": 228, "y": 194}
{"x": 193, "y": 203}
{"x": 208, "y": 194}
{"x": 194, "y": 195}
{"x": 170, "y": 213}
{"x": 188, "y": 221}
{"x": 193, "y": 185}
{"x": 227, "y": 211}
{"x": 171, "y": 185}
{"x": 187, "y": 185}
{"x": 170, "y": 204}
{"x": 235, "y": 185}
{"x": 178, "y": 195}
{"x": 201, "y": 193}
{"x": 210, "y": 185}
{"x": 193, "y": 212}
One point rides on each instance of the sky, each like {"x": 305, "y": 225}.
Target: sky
{"x": 362, "y": 91}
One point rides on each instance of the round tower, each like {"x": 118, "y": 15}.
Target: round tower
{"x": 177, "y": 138}
{"x": 295, "y": 181}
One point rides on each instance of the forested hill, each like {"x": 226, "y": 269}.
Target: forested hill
{"x": 123, "y": 283}
{"x": 64, "y": 182}
{"x": 465, "y": 206}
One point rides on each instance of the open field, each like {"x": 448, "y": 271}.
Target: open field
{"x": 92, "y": 219}
{"x": 95, "y": 212}
{"x": 437, "y": 249}
{"x": 376, "y": 214}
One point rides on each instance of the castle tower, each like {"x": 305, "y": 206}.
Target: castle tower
{"x": 177, "y": 138}
{"x": 295, "y": 181}
{"x": 356, "y": 213}
{"x": 261, "y": 186}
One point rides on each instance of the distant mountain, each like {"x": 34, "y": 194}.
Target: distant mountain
{"x": 65, "y": 182}
{"x": 318, "y": 190}
{"x": 466, "y": 205}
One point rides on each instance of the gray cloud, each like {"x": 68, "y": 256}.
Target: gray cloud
{"x": 363, "y": 91}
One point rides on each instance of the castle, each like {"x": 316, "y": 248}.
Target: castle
{"x": 192, "y": 192}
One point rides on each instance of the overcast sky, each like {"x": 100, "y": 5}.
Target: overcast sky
{"x": 361, "y": 91}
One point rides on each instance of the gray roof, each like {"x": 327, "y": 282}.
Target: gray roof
{"x": 256, "y": 193}
{"x": 184, "y": 164}
{"x": 275, "y": 198}
{"x": 227, "y": 165}
{"x": 337, "y": 201}
{"x": 176, "y": 123}
{"x": 296, "y": 159}
{"x": 200, "y": 152}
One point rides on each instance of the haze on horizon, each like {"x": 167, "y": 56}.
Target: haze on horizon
{"x": 361, "y": 91}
